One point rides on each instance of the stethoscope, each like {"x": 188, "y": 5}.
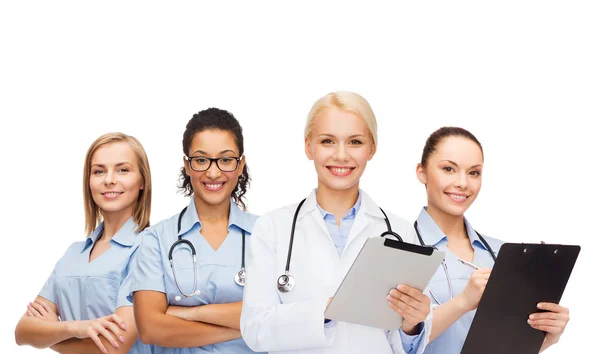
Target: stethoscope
{"x": 487, "y": 246}
{"x": 285, "y": 282}
{"x": 239, "y": 278}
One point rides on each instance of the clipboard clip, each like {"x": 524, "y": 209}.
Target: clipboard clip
{"x": 424, "y": 250}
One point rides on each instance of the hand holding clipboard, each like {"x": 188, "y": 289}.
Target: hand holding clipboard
{"x": 524, "y": 275}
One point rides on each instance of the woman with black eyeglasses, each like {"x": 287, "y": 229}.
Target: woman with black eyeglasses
{"x": 189, "y": 274}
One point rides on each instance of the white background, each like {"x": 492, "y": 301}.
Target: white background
{"x": 522, "y": 76}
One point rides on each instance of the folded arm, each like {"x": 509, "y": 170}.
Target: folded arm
{"x": 157, "y": 327}
{"x": 39, "y": 332}
{"x": 41, "y": 328}
{"x": 226, "y": 315}
{"x": 101, "y": 344}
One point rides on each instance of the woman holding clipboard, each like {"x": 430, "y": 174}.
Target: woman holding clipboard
{"x": 451, "y": 168}
{"x": 287, "y": 292}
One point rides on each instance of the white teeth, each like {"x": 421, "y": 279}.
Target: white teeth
{"x": 458, "y": 197}
{"x": 340, "y": 170}
{"x": 111, "y": 194}
{"x": 214, "y": 186}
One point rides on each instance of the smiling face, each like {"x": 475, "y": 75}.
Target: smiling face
{"x": 115, "y": 179}
{"x": 452, "y": 176}
{"x": 213, "y": 186}
{"x": 340, "y": 144}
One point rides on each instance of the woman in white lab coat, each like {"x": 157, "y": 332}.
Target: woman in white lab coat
{"x": 332, "y": 226}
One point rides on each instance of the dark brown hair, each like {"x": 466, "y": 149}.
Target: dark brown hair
{"x": 445, "y": 132}
{"x": 216, "y": 119}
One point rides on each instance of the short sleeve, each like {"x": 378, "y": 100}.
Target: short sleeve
{"x": 145, "y": 268}
{"x": 48, "y": 291}
{"x": 123, "y": 298}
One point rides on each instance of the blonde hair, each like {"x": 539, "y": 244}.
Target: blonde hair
{"x": 141, "y": 211}
{"x": 345, "y": 101}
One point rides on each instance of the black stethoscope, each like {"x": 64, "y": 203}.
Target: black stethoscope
{"x": 487, "y": 246}
{"x": 285, "y": 282}
{"x": 239, "y": 278}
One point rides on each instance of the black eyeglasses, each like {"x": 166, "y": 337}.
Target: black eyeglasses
{"x": 201, "y": 163}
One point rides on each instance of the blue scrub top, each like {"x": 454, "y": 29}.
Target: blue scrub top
{"x": 84, "y": 290}
{"x": 215, "y": 268}
{"x": 452, "y": 340}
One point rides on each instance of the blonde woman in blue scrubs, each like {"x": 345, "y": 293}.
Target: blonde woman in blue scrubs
{"x": 451, "y": 169}
{"x": 187, "y": 304}
{"x": 83, "y": 306}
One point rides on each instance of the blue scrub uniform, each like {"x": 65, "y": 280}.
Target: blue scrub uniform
{"x": 452, "y": 340}
{"x": 84, "y": 290}
{"x": 215, "y": 268}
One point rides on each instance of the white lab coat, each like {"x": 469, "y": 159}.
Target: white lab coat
{"x": 293, "y": 322}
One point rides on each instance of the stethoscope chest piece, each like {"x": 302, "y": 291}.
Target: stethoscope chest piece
{"x": 240, "y": 277}
{"x": 285, "y": 283}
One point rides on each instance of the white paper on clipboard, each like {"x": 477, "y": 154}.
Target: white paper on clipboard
{"x": 381, "y": 265}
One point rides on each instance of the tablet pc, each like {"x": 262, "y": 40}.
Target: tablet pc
{"x": 381, "y": 265}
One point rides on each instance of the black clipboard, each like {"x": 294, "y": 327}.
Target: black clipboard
{"x": 523, "y": 275}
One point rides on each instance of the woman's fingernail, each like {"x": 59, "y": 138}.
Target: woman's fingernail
{"x": 116, "y": 344}
{"x": 123, "y": 325}
{"x": 122, "y": 339}
{"x": 104, "y": 351}
{"x": 539, "y": 306}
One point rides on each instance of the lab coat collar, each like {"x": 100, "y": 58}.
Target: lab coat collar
{"x": 367, "y": 208}
{"x": 367, "y": 205}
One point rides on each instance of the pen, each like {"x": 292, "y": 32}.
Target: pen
{"x": 468, "y": 264}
